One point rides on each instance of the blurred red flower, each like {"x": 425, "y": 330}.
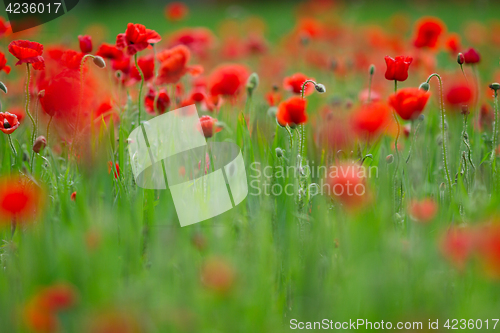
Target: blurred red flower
{"x": 8, "y": 122}
{"x": 174, "y": 64}
{"x": 122, "y": 64}
{"x": 5, "y": 28}
{"x": 136, "y": 38}
{"x": 147, "y": 65}
{"x": 41, "y": 311}
{"x": 218, "y": 275}
{"x": 295, "y": 82}
{"x": 409, "y": 102}
{"x": 28, "y": 53}
{"x": 453, "y": 43}
{"x": 3, "y": 63}
{"x": 20, "y": 199}
{"x": 228, "y": 80}
{"x": 429, "y": 29}
{"x": 371, "y": 118}
{"x": 85, "y": 44}
{"x": 397, "y": 68}
{"x": 71, "y": 59}
{"x": 176, "y": 11}
{"x": 208, "y": 124}
{"x": 162, "y": 101}
{"x": 109, "y": 51}
{"x": 198, "y": 40}
{"x": 424, "y": 210}
{"x": 347, "y": 184}
{"x": 489, "y": 250}
{"x": 472, "y": 56}
{"x": 73, "y": 196}
{"x": 19, "y": 112}
{"x": 292, "y": 112}
{"x": 457, "y": 246}
{"x": 459, "y": 94}
{"x": 115, "y": 172}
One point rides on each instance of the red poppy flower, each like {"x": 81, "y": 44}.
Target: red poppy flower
{"x": 228, "y": 80}
{"x": 472, "y": 56}
{"x": 429, "y": 29}
{"x": 173, "y": 64}
{"x": 28, "y": 53}
{"x": 218, "y": 275}
{"x": 136, "y": 38}
{"x": 488, "y": 247}
{"x": 409, "y": 102}
{"x": 208, "y": 124}
{"x": 453, "y": 43}
{"x": 19, "y": 199}
{"x": 273, "y": 98}
{"x": 5, "y": 28}
{"x": 8, "y": 122}
{"x": 147, "y": 65}
{"x": 458, "y": 95}
{"x": 105, "y": 111}
{"x": 371, "y": 118}
{"x": 73, "y": 196}
{"x": 346, "y": 183}
{"x": 424, "y": 210}
{"x": 176, "y": 11}
{"x": 292, "y": 112}
{"x": 71, "y": 59}
{"x": 19, "y": 112}
{"x": 115, "y": 172}
{"x": 198, "y": 40}
{"x": 162, "y": 101}
{"x": 85, "y": 44}
{"x": 3, "y": 63}
{"x": 109, "y": 51}
{"x": 62, "y": 94}
{"x": 397, "y": 68}
{"x": 295, "y": 82}
{"x": 41, "y": 311}
{"x": 457, "y": 246}
{"x": 122, "y": 65}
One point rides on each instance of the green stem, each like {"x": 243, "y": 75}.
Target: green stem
{"x": 370, "y": 88}
{"x": 140, "y": 89}
{"x": 495, "y": 141}
{"x": 28, "y": 107}
{"x": 48, "y": 129}
{"x": 12, "y": 147}
{"x": 443, "y": 131}
{"x": 397, "y": 152}
{"x": 34, "y": 133}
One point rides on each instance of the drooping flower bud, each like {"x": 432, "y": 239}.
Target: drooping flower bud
{"x": 252, "y": 83}
{"x": 465, "y": 109}
{"x": 320, "y": 88}
{"x": 39, "y": 144}
{"x": 3, "y": 87}
{"x": 99, "y": 62}
{"x": 279, "y": 152}
{"x": 389, "y": 159}
{"x": 41, "y": 93}
{"x": 460, "y": 59}
{"x": 424, "y": 86}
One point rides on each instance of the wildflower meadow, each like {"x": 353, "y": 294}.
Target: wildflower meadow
{"x": 251, "y": 166}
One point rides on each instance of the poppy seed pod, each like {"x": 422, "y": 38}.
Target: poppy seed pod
{"x": 40, "y": 144}
{"x": 424, "y": 86}
{"x": 495, "y": 86}
{"x": 252, "y": 83}
{"x": 460, "y": 59}
{"x": 99, "y": 62}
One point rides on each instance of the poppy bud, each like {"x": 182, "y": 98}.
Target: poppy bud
{"x": 372, "y": 69}
{"x": 3, "y": 87}
{"x": 252, "y": 83}
{"x": 460, "y": 59}
{"x": 389, "y": 159}
{"x": 320, "y": 88}
{"x": 424, "y": 86}
{"x": 465, "y": 109}
{"x": 276, "y": 87}
{"x": 39, "y": 144}
{"x": 41, "y": 93}
{"x": 279, "y": 152}
{"x": 495, "y": 86}
{"x": 99, "y": 62}
{"x": 442, "y": 187}
{"x": 73, "y": 196}
{"x": 271, "y": 112}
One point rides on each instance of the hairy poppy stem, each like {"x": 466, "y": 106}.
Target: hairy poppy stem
{"x": 28, "y": 107}
{"x": 34, "y": 134}
{"x": 443, "y": 131}
{"x": 495, "y": 140}
{"x": 140, "y": 89}
{"x": 397, "y": 150}
{"x": 14, "y": 151}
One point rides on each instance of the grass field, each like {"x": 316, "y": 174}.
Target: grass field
{"x": 97, "y": 253}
